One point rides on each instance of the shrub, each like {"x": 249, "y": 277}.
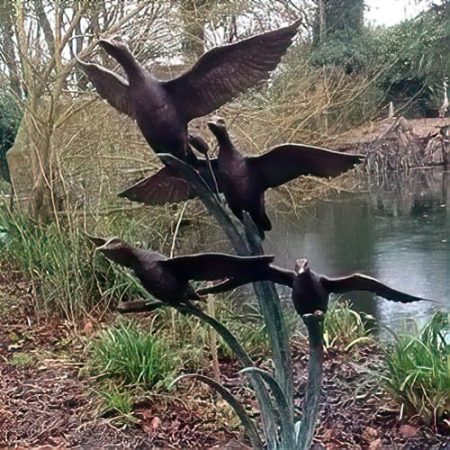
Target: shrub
{"x": 418, "y": 370}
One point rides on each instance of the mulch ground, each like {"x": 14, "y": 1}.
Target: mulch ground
{"x": 45, "y": 402}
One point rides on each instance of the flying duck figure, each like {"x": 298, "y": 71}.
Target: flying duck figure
{"x": 244, "y": 179}
{"x": 167, "y": 279}
{"x": 163, "y": 109}
{"x": 310, "y": 290}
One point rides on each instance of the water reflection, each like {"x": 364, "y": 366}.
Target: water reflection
{"x": 397, "y": 231}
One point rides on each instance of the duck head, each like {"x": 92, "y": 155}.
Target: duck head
{"x": 218, "y": 128}
{"x": 113, "y": 46}
{"x": 121, "y": 53}
{"x": 116, "y": 250}
{"x": 301, "y": 266}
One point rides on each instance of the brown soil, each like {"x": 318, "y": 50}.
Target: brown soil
{"x": 45, "y": 402}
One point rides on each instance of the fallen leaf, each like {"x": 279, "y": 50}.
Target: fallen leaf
{"x": 408, "y": 431}
{"x": 377, "y": 444}
{"x": 369, "y": 434}
{"x": 155, "y": 423}
{"x": 147, "y": 428}
{"x": 88, "y": 328}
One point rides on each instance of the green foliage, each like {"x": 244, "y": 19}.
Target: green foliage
{"x": 10, "y": 116}
{"x": 348, "y": 49}
{"x": 416, "y": 57}
{"x": 251, "y": 333}
{"x": 192, "y": 350}
{"x": 250, "y": 330}
{"x": 343, "y": 326}
{"x": 22, "y": 359}
{"x": 133, "y": 356}
{"x": 418, "y": 370}
{"x": 59, "y": 260}
{"x": 116, "y": 400}
{"x": 407, "y": 62}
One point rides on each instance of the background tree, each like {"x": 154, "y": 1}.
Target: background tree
{"x": 46, "y": 35}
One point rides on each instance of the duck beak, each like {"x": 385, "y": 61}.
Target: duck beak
{"x": 97, "y": 241}
{"x": 107, "y": 44}
{"x": 216, "y": 125}
{"x": 300, "y": 266}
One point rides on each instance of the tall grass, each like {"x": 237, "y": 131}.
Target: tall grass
{"x": 133, "y": 356}
{"x": 116, "y": 400}
{"x": 66, "y": 275}
{"x": 343, "y": 326}
{"x": 418, "y": 370}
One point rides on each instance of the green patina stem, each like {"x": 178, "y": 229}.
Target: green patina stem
{"x": 270, "y": 306}
{"x": 311, "y": 403}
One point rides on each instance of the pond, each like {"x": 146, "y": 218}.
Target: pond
{"x": 397, "y": 230}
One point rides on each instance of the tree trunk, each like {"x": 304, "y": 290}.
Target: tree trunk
{"x": 41, "y": 204}
{"x": 9, "y": 53}
{"x": 338, "y": 16}
{"x": 194, "y": 33}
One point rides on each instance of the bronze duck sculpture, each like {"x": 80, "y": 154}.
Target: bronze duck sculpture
{"x": 244, "y": 179}
{"x": 310, "y": 291}
{"x": 167, "y": 279}
{"x": 162, "y": 109}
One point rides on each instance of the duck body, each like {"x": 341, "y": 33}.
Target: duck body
{"x": 242, "y": 190}
{"x": 161, "y": 281}
{"x": 308, "y": 293}
{"x": 159, "y": 120}
{"x": 150, "y": 104}
{"x": 167, "y": 279}
{"x": 163, "y": 109}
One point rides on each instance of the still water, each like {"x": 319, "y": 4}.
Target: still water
{"x": 397, "y": 230}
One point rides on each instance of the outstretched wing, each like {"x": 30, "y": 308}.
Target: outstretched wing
{"x": 158, "y": 189}
{"x": 288, "y": 161}
{"x": 279, "y": 275}
{"x": 224, "y": 72}
{"x": 270, "y": 273}
{"x": 165, "y": 187}
{"x": 109, "y": 86}
{"x": 359, "y": 282}
{"x": 214, "y": 266}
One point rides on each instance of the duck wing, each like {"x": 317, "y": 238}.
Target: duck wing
{"x": 214, "y": 266}
{"x": 271, "y": 273}
{"x": 165, "y": 187}
{"x": 286, "y": 162}
{"x": 279, "y": 275}
{"x": 359, "y": 282}
{"x": 110, "y": 86}
{"x": 158, "y": 189}
{"x": 224, "y": 72}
